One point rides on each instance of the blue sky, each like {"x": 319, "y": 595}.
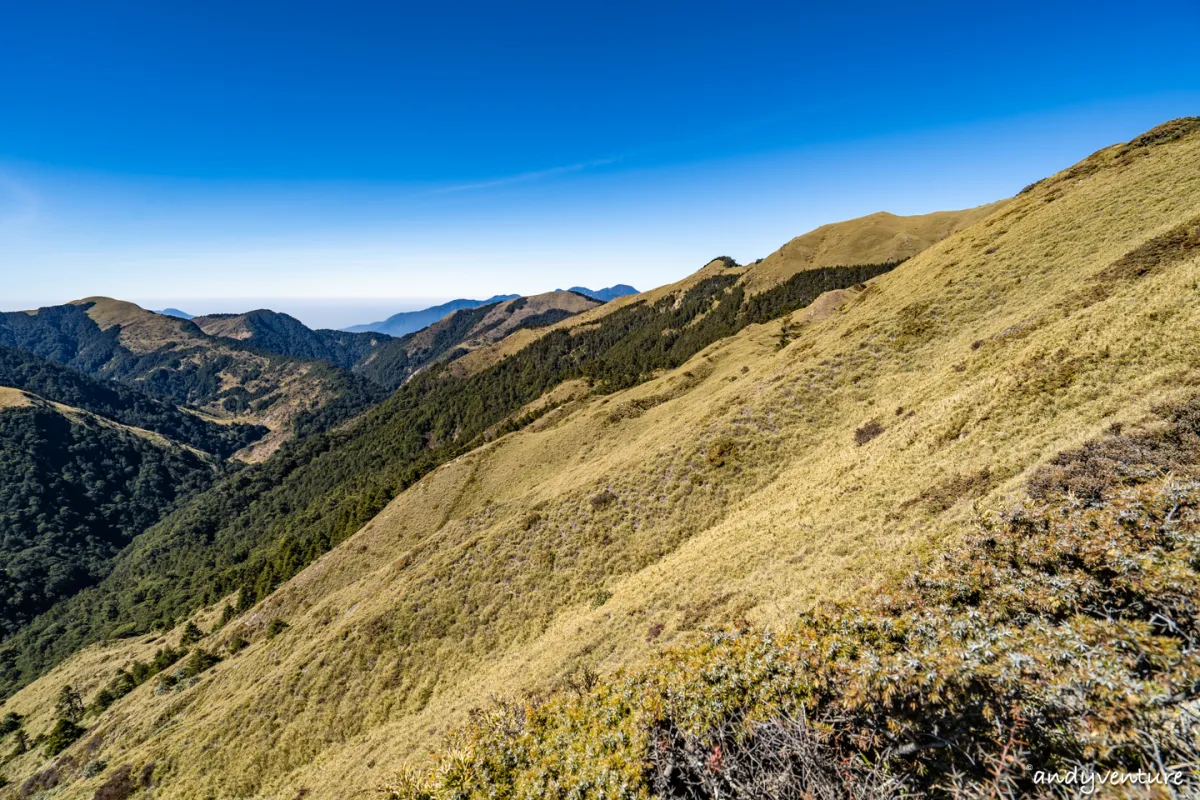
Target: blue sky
{"x": 359, "y": 156}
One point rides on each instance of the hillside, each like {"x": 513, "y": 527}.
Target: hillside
{"x": 466, "y": 330}
{"x": 412, "y": 321}
{"x": 23, "y": 370}
{"x": 288, "y": 336}
{"x": 880, "y": 238}
{"x": 713, "y": 455}
{"x": 172, "y": 359}
{"x": 75, "y": 488}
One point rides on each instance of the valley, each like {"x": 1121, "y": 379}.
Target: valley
{"x": 601, "y": 541}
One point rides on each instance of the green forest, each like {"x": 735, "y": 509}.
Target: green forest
{"x": 73, "y": 493}
{"x": 23, "y": 370}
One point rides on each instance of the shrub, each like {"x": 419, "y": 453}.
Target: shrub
{"x": 64, "y": 733}
{"x": 721, "y": 452}
{"x": 867, "y": 432}
{"x": 237, "y": 644}
{"x": 120, "y": 785}
{"x": 603, "y": 500}
{"x": 94, "y": 768}
{"x": 1058, "y": 633}
{"x": 191, "y": 634}
{"x": 10, "y": 723}
{"x": 276, "y": 627}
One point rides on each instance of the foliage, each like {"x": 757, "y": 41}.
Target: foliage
{"x": 64, "y": 733}
{"x": 276, "y": 627}
{"x": 69, "y": 705}
{"x": 191, "y": 634}
{"x": 120, "y": 785}
{"x": 259, "y": 527}
{"x": 544, "y": 319}
{"x": 10, "y": 723}
{"x": 73, "y": 493}
{"x": 1061, "y": 633}
{"x": 126, "y": 680}
{"x": 24, "y": 370}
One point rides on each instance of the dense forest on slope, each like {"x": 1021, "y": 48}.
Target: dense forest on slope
{"x": 260, "y": 527}
{"x": 23, "y": 370}
{"x": 398, "y": 360}
{"x": 73, "y": 493}
{"x": 284, "y": 335}
{"x": 175, "y": 361}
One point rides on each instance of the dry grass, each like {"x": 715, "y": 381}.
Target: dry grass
{"x": 497, "y": 574}
{"x": 13, "y": 398}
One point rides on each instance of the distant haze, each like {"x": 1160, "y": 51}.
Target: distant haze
{"x": 339, "y": 313}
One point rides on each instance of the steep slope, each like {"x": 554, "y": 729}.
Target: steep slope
{"x": 260, "y": 527}
{"x": 288, "y": 336}
{"x": 23, "y": 370}
{"x": 412, "y": 321}
{"x": 174, "y": 360}
{"x": 871, "y": 239}
{"x": 805, "y": 458}
{"x": 880, "y": 238}
{"x": 466, "y": 330}
{"x": 75, "y": 488}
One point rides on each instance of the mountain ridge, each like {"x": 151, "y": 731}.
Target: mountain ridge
{"x": 412, "y": 321}
{"x": 796, "y": 458}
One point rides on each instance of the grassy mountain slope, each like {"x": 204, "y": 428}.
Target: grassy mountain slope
{"x": 807, "y": 458}
{"x": 871, "y": 239}
{"x": 880, "y": 238}
{"x": 75, "y": 488}
{"x": 174, "y": 360}
{"x": 288, "y": 336}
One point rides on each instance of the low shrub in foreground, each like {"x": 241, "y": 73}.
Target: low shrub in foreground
{"x": 1061, "y": 633}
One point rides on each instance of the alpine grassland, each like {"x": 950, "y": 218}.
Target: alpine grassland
{"x": 912, "y": 534}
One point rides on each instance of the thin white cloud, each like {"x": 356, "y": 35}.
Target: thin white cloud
{"x": 524, "y": 177}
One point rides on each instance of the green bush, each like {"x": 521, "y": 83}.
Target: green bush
{"x": 61, "y": 736}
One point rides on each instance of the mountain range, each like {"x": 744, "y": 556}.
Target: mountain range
{"x": 907, "y": 508}
{"x": 411, "y": 321}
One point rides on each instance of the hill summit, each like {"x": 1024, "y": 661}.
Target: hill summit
{"x": 755, "y": 529}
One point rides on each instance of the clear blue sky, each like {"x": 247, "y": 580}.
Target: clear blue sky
{"x": 216, "y": 152}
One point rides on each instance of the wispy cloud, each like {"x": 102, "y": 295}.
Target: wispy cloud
{"x": 524, "y": 177}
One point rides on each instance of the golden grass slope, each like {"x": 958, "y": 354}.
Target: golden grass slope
{"x": 745, "y": 485}
{"x": 13, "y": 398}
{"x": 874, "y": 239}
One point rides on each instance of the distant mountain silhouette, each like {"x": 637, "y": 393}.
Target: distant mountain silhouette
{"x": 604, "y": 295}
{"x": 409, "y": 321}
{"x": 175, "y": 312}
